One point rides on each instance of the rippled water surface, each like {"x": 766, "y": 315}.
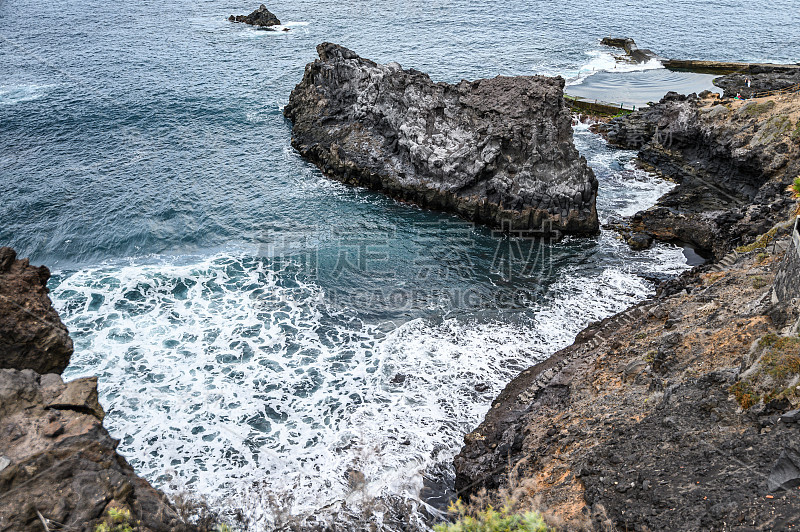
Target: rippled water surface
{"x": 254, "y": 324}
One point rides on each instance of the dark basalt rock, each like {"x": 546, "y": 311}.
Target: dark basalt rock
{"x": 496, "y": 151}
{"x": 261, "y": 17}
{"x": 761, "y": 78}
{"x": 31, "y": 333}
{"x": 732, "y": 162}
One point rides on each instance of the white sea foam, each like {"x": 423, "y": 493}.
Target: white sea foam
{"x": 236, "y": 378}
{"x": 602, "y": 61}
{"x": 13, "y": 94}
{"x": 225, "y": 375}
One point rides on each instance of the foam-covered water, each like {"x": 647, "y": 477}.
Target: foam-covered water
{"x": 239, "y": 369}
{"x": 256, "y": 327}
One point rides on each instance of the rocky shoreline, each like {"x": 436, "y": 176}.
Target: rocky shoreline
{"x": 59, "y": 469}
{"x": 494, "y": 151}
{"x": 679, "y": 413}
{"x": 732, "y": 160}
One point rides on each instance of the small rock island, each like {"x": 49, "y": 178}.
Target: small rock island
{"x": 261, "y": 17}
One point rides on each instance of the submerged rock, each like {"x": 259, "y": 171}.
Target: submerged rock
{"x": 31, "y": 333}
{"x": 261, "y": 17}
{"x": 495, "y": 151}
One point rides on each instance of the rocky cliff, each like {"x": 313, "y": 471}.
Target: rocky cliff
{"x": 496, "y": 151}
{"x": 31, "y": 333}
{"x": 677, "y": 414}
{"x": 59, "y": 469}
{"x": 733, "y": 161}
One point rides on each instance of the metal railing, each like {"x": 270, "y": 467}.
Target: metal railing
{"x": 785, "y": 90}
{"x": 577, "y": 101}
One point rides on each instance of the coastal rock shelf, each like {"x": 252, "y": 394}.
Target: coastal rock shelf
{"x": 495, "y": 151}
{"x": 733, "y": 161}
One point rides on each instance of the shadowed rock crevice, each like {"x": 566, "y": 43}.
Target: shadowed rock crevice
{"x": 495, "y": 151}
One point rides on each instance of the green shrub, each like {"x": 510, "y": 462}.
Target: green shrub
{"x": 115, "y": 520}
{"x": 491, "y": 520}
{"x": 776, "y": 373}
{"x": 796, "y": 186}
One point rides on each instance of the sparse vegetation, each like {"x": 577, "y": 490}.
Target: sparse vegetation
{"x": 775, "y": 375}
{"x": 761, "y": 242}
{"x": 761, "y": 257}
{"x": 759, "y": 282}
{"x": 491, "y": 520}
{"x": 796, "y": 186}
{"x": 753, "y": 109}
{"x": 116, "y": 520}
{"x": 744, "y": 394}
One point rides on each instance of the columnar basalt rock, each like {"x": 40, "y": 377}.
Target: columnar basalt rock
{"x": 495, "y": 151}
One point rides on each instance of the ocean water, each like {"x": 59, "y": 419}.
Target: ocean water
{"x": 258, "y": 328}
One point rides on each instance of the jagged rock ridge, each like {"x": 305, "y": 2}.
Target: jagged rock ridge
{"x": 261, "y": 17}
{"x": 496, "y": 151}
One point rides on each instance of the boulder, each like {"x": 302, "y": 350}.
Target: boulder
{"x": 31, "y": 333}
{"x": 261, "y": 17}
{"x": 59, "y": 466}
{"x": 785, "y": 474}
{"x": 494, "y": 151}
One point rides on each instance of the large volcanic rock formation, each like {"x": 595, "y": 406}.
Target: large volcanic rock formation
{"x": 496, "y": 151}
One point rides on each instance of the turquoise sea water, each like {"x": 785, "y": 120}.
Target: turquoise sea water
{"x": 256, "y": 326}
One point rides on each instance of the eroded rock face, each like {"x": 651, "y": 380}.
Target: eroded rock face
{"x": 638, "y": 426}
{"x": 496, "y": 151}
{"x": 31, "y": 333}
{"x": 261, "y": 17}
{"x": 56, "y": 458}
{"x": 58, "y": 465}
{"x": 732, "y": 160}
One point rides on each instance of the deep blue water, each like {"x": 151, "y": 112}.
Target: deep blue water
{"x": 253, "y": 322}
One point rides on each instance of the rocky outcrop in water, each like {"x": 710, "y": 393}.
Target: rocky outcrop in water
{"x": 732, "y": 160}
{"x": 636, "y": 54}
{"x": 59, "y": 469}
{"x": 31, "y": 333}
{"x": 496, "y": 151}
{"x": 678, "y": 414}
{"x": 261, "y": 17}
